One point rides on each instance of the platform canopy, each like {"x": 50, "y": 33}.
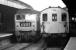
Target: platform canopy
{"x": 8, "y": 8}
{"x": 15, "y": 3}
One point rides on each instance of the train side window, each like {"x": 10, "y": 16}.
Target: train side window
{"x": 45, "y": 17}
{"x": 54, "y": 17}
{"x": 64, "y": 15}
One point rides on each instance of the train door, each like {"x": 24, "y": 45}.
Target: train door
{"x": 48, "y": 22}
{"x": 44, "y": 19}
{"x": 63, "y": 23}
{"x": 54, "y": 24}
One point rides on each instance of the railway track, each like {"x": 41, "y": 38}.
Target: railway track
{"x": 7, "y": 45}
{"x": 40, "y": 45}
{"x": 36, "y": 46}
{"x": 24, "y": 46}
{"x": 17, "y": 46}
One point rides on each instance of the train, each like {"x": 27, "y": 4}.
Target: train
{"x": 27, "y": 25}
{"x": 54, "y": 22}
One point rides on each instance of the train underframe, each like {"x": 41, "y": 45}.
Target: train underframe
{"x": 56, "y": 39}
{"x": 27, "y": 36}
{"x": 53, "y": 35}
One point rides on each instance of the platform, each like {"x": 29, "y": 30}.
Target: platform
{"x": 71, "y": 45}
{"x": 5, "y": 36}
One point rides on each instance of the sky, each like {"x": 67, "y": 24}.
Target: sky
{"x": 39, "y": 5}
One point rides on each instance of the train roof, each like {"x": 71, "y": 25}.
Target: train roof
{"x": 65, "y": 9}
{"x": 15, "y": 4}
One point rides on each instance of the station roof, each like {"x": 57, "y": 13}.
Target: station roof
{"x": 71, "y": 5}
{"x": 15, "y": 4}
{"x": 9, "y": 7}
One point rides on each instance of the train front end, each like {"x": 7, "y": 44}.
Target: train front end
{"x": 54, "y": 22}
{"x": 26, "y": 25}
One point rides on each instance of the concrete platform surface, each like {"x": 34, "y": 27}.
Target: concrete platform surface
{"x": 5, "y": 34}
{"x": 71, "y": 45}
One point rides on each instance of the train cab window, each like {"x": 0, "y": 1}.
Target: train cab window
{"x": 54, "y": 17}
{"x": 20, "y": 17}
{"x": 45, "y": 17}
{"x": 64, "y": 15}
{"x": 23, "y": 16}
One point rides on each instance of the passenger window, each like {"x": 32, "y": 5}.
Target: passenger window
{"x": 64, "y": 15}
{"x": 45, "y": 17}
{"x": 54, "y": 17}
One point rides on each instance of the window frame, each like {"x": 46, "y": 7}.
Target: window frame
{"x": 63, "y": 17}
{"x": 44, "y": 16}
{"x": 54, "y": 17}
{"x": 22, "y": 17}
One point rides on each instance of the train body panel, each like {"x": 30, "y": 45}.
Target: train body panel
{"x": 30, "y": 25}
{"x": 54, "y": 20}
